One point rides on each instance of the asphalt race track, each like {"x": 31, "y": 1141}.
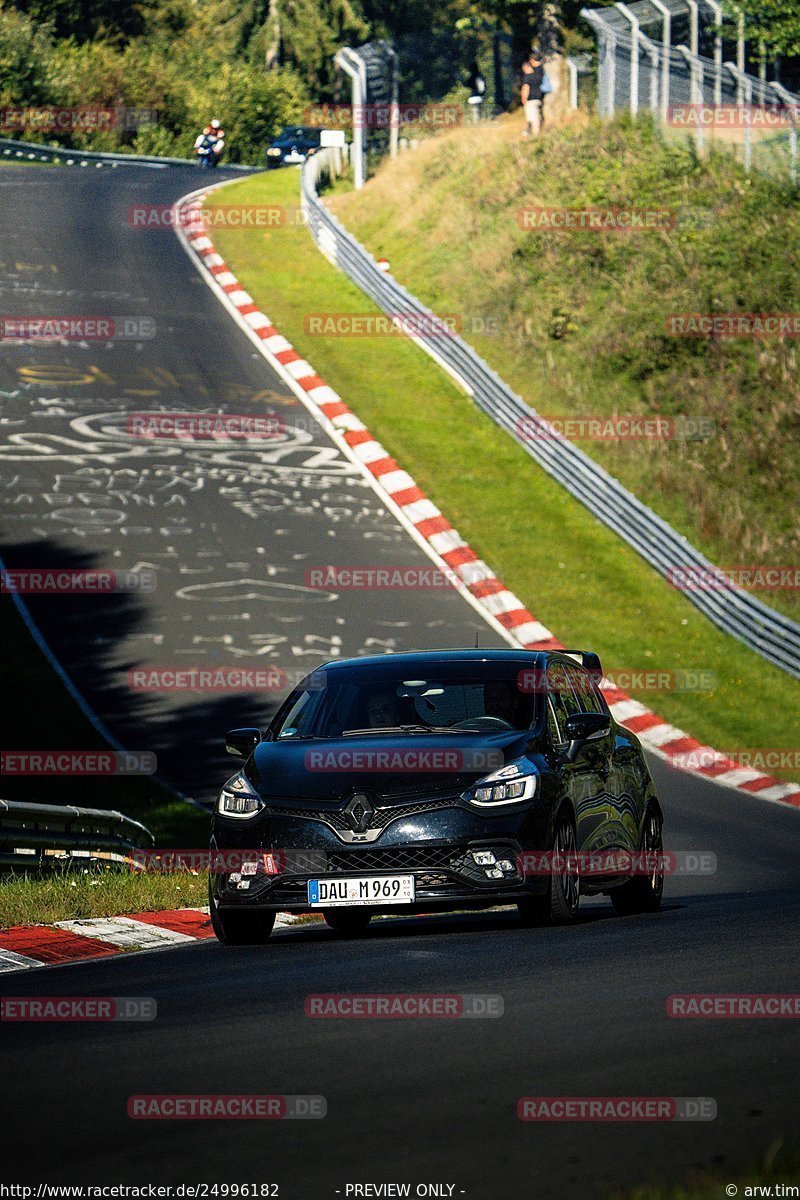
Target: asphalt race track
{"x": 408, "y": 1101}
{"x": 229, "y": 530}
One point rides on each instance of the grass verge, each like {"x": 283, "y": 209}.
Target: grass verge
{"x": 572, "y": 572}
{"x": 71, "y": 897}
{"x": 577, "y": 322}
{"x": 779, "y": 1166}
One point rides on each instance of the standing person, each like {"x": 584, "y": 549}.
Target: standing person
{"x": 477, "y": 90}
{"x": 533, "y": 77}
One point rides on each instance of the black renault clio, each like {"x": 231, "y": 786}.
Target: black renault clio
{"x": 431, "y": 781}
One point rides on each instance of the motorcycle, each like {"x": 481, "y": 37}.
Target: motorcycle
{"x": 208, "y": 150}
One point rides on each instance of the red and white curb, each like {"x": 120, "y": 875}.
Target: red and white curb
{"x": 433, "y": 531}
{"x": 27, "y": 946}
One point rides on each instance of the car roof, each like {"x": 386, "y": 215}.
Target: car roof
{"x": 434, "y": 658}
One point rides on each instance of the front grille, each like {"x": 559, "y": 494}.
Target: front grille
{"x": 329, "y": 816}
{"x": 393, "y": 858}
{"x": 380, "y": 820}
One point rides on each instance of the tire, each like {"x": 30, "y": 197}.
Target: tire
{"x": 559, "y": 904}
{"x": 350, "y": 922}
{"x": 245, "y": 928}
{"x": 644, "y": 892}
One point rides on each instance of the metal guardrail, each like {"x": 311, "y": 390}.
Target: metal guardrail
{"x": 44, "y": 836}
{"x": 31, "y": 151}
{"x": 771, "y": 634}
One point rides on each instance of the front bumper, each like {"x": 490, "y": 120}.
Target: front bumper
{"x": 429, "y": 837}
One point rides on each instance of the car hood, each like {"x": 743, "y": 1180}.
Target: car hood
{"x": 391, "y": 767}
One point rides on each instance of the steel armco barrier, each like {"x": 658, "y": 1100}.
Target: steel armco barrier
{"x": 31, "y": 151}
{"x": 771, "y": 634}
{"x": 44, "y": 836}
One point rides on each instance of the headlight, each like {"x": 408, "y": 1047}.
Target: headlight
{"x": 237, "y": 799}
{"x": 273, "y": 152}
{"x": 510, "y": 791}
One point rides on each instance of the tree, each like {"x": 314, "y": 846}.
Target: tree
{"x": 775, "y": 23}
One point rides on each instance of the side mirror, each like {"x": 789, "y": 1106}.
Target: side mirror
{"x": 242, "y": 742}
{"x": 584, "y": 727}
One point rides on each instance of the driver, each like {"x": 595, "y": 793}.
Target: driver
{"x": 500, "y": 700}
{"x": 383, "y": 709}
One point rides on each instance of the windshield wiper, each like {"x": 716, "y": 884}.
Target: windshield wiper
{"x": 405, "y": 729}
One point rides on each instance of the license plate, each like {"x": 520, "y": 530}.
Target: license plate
{"x": 364, "y": 889}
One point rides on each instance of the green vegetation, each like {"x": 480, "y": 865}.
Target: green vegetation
{"x": 779, "y": 1166}
{"x": 580, "y": 318}
{"x": 574, "y": 575}
{"x": 68, "y": 896}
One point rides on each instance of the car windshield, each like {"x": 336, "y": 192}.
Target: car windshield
{"x": 478, "y": 702}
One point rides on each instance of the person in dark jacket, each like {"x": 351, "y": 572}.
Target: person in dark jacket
{"x": 531, "y": 93}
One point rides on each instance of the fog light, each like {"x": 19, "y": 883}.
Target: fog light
{"x": 493, "y": 873}
{"x": 484, "y": 858}
{"x": 505, "y": 865}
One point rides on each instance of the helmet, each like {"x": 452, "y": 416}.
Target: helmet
{"x": 215, "y": 124}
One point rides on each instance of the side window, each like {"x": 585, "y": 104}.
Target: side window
{"x": 560, "y": 690}
{"x": 584, "y": 689}
{"x": 553, "y": 729}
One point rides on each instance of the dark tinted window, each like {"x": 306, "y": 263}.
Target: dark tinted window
{"x": 584, "y": 689}
{"x": 558, "y": 685}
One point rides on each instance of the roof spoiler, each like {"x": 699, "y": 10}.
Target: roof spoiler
{"x": 589, "y": 660}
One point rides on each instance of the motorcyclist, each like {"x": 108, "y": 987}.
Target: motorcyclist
{"x": 210, "y": 143}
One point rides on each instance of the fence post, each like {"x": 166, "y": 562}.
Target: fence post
{"x": 716, "y": 8}
{"x": 666, "y": 46}
{"x": 634, "y": 96}
{"x": 694, "y": 35}
{"x": 352, "y": 65}
{"x": 572, "y": 67}
{"x": 652, "y": 52}
{"x": 744, "y": 88}
{"x": 694, "y": 64}
{"x": 793, "y": 108}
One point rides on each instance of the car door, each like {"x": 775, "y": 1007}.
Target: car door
{"x": 583, "y": 777}
{"x": 616, "y": 761}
